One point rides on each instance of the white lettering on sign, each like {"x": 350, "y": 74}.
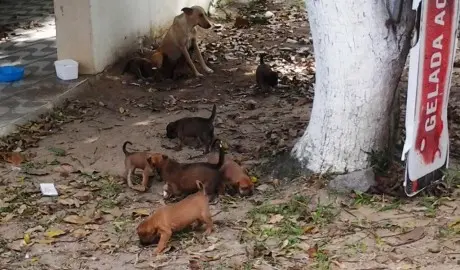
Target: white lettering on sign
{"x": 441, "y": 4}
{"x": 435, "y": 63}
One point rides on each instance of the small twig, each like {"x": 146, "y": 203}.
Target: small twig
{"x": 218, "y": 212}
{"x": 392, "y": 235}
{"x": 137, "y": 256}
{"x": 349, "y": 212}
{"x": 403, "y": 243}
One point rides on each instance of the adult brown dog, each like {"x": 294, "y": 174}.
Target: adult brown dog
{"x": 175, "y": 217}
{"x": 133, "y": 161}
{"x": 180, "y": 177}
{"x": 193, "y": 127}
{"x": 181, "y": 39}
{"x": 234, "y": 174}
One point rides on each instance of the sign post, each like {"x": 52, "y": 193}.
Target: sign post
{"x": 426, "y": 149}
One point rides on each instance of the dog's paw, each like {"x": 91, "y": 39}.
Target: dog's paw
{"x": 208, "y": 70}
{"x": 199, "y": 75}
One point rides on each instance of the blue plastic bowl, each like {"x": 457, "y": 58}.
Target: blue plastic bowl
{"x": 11, "y": 73}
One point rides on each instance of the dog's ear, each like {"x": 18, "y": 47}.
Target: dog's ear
{"x": 187, "y": 10}
{"x": 200, "y": 185}
{"x": 149, "y": 160}
{"x": 164, "y": 157}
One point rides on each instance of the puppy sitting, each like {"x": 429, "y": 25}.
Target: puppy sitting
{"x": 180, "y": 177}
{"x": 265, "y": 76}
{"x": 140, "y": 67}
{"x": 175, "y": 217}
{"x": 195, "y": 127}
{"x": 133, "y": 161}
{"x": 181, "y": 38}
{"x": 234, "y": 175}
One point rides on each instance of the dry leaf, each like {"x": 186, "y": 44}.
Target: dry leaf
{"x": 80, "y": 233}
{"x": 22, "y": 208}
{"x": 65, "y": 169}
{"x": 8, "y": 217}
{"x": 69, "y": 202}
{"x": 82, "y": 195}
{"x": 285, "y": 243}
{"x": 46, "y": 241}
{"x": 416, "y": 234}
{"x": 116, "y": 212}
{"x": 454, "y": 224}
{"x": 74, "y": 219}
{"x": 312, "y": 251}
{"x": 141, "y": 212}
{"x": 308, "y": 229}
{"x": 121, "y": 110}
{"x": 35, "y": 229}
{"x": 303, "y": 246}
{"x": 210, "y": 248}
{"x": 51, "y": 233}
{"x": 275, "y": 219}
{"x": 15, "y": 158}
{"x": 27, "y": 238}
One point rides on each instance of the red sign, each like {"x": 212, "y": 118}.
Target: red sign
{"x": 435, "y": 77}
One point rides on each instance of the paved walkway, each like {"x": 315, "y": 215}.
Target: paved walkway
{"x": 31, "y": 42}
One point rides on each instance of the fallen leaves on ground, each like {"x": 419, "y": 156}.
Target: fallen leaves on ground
{"x": 142, "y": 212}
{"x": 416, "y": 234}
{"x": 14, "y": 158}
{"x": 75, "y": 219}
{"x": 54, "y": 232}
{"x": 80, "y": 233}
{"x": 312, "y": 251}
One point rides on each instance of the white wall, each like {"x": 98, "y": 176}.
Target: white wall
{"x": 114, "y": 27}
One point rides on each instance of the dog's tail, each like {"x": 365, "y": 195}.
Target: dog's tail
{"x": 124, "y": 148}
{"x": 261, "y": 58}
{"x": 213, "y": 114}
{"x": 221, "y": 154}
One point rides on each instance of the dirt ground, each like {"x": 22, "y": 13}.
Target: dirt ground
{"x": 292, "y": 222}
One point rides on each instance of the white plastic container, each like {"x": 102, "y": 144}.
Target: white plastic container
{"x": 66, "y": 69}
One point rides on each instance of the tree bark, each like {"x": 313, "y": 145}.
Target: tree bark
{"x": 358, "y": 66}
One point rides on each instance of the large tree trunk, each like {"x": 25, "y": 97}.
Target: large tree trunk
{"x": 357, "y": 72}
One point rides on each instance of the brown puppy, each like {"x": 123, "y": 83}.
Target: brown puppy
{"x": 175, "y": 217}
{"x": 181, "y": 37}
{"x": 265, "y": 76}
{"x": 195, "y": 127}
{"x": 133, "y": 161}
{"x": 140, "y": 67}
{"x": 180, "y": 177}
{"x": 234, "y": 175}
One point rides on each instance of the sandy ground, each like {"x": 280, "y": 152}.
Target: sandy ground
{"x": 291, "y": 222}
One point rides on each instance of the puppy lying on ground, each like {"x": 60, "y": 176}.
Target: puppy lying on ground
{"x": 265, "y": 76}
{"x": 140, "y": 67}
{"x": 133, "y": 161}
{"x": 175, "y": 217}
{"x": 181, "y": 38}
{"x": 180, "y": 177}
{"x": 196, "y": 127}
{"x": 234, "y": 175}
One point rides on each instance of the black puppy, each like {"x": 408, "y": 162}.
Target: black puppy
{"x": 193, "y": 127}
{"x": 265, "y": 76}
{"x": 140, "y": 67}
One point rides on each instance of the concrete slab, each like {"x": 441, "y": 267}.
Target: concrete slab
{"x": 31, "y": 42}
